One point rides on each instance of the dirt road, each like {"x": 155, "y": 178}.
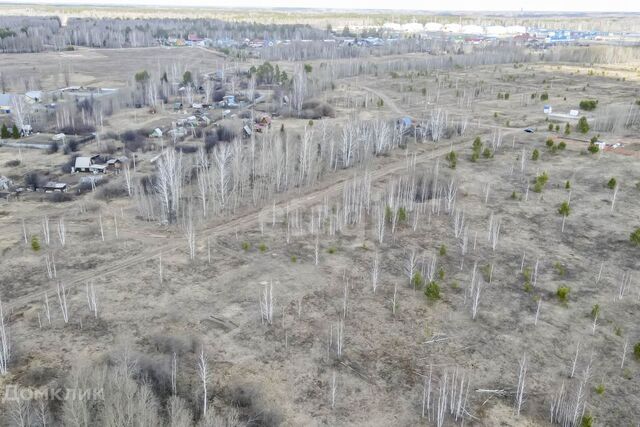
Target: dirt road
{"x": 174, "y": 241}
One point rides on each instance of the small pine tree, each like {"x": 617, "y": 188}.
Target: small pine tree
{"x": 567, "y": 129}
{"x": 612, "y": 183}
{"x": 4, "y": 133}
{"x": 15, "y": 133}
{"x": 417, "y": 280}
{"x": 535, "y": 155}
{"x": 432, "y": 291}
{"x": 564, "y": 209}
{"x": 35, "y": 243}
{"x": 586, "y": 421}
{"x": 635, "y": 237}
{"x": 452, "y": 158}
{"x": 563, "y": 293}
{"x": 583, "y": 125}
{"x": 402, "y": 215}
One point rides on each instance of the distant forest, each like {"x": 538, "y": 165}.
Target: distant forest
{"x": 36, "y": 34}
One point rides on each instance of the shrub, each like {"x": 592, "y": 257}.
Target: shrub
{"x": 549, "y": 143}
{"x": 636, "y": 351}
{"x": 612, "y": 183}
{"x": 32, "y": 180}
{"x": 331, "y": 250}
{"x": 563, "y": 293}
{"x": 562, "y": 145}
{"x": 535, "y": 155}
{"x": 595, "y": 311}
{"x": 186, "y": 149}
{"x": 567, "y": 185}
{"x": 71, "y": 146}
{"x": 133, "y": 141}
{"x": 635, "y": 237}
{"x": 111, "y": 191}
{"x": 588, "y": 104}
{"x": 487, "y": 154}
{"x": 550, "y": 127}
{"x": 78, "y": 129}
{"x": 443, "y": 250}
{"x": 12, "y": 163}
{"x": 35, "y": 244}
{"x": 593, "y": 148}
{"x": 317, "y": 110}
{"x": 599, "y": 389}
{"x": 246, "y": 246}
{"x": 60, "y": 197}
{"x": 53, "y": 147}
{"x": 262, "y": 247}
{"x": 567, "y": 129}
{"x": 432, "y": 291}
{"x": 441, "y": 273}
{"x": 544, "y": 97}
{"x": 294, "y": 259}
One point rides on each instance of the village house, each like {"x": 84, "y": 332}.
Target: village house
{"x": 6, "y": 102}
{"x": 114, "y": 165}
{"x": 54, "y": 187}
{"x": 88, "y": 164}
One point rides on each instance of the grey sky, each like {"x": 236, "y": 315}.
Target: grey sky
{"x": 453, "y": 5}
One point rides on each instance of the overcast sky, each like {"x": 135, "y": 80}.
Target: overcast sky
{"x": 453, "y": 5}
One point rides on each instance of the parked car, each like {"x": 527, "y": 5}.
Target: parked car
{"x": 529, "y": 130}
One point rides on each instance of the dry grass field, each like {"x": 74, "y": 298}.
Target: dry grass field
{"x": 357, "y": 333}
